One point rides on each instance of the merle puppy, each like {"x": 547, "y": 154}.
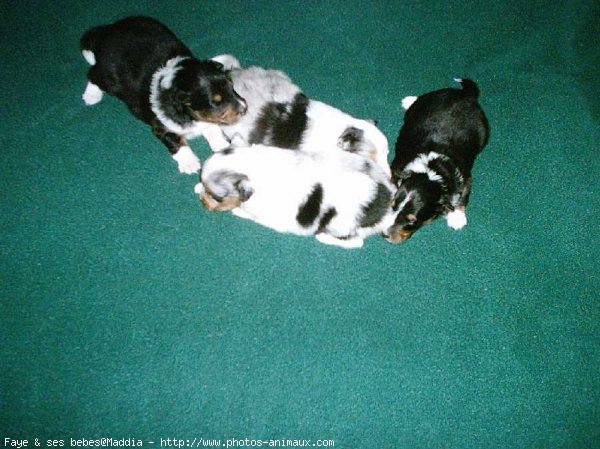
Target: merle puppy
{"x": 141, "y": 61}
{"x": 442, "y": 135}
{"x": 340, "y": 197}
{"x": 281, "y": 115}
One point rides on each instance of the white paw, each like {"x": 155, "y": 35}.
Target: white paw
{"x": 92, "y": 94}
{"x": 456, "y": 219}
{"x": 408, "y": 101}
{"x": 229, "y": 61}
{"x": 187, "y": 161}
{"x": 215, "y": 137}
{"x": 89, "y": 56}
{"x": 343, "y": 243}
{"x": 241, "y": 213}
{"x": 199, "y": 189}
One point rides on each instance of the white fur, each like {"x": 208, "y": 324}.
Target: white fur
{"x": 259, "y": 86}
{"x": 215, "y": 138}
{"x": 347, "y": 243}
{"x": 419, "y": 165}
{"x": 408, "y": 101}
{"x": 187, "y": 161}
{"x": 89, "y": 56}
{"x": 229, "y": 61}
{"x": 327, "y": 123}
{"x": 282, "y": 180}
{"x": 92, "y": 94}
{"x": 457, "y": 219}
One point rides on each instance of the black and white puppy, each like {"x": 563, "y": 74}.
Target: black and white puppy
{"x": 340, "y": 197}
{"x": 142, "y": 62}
{"x": 442, "y": 135}
{"x": 280, "y": 115}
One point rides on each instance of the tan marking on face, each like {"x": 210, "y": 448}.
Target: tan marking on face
{"x": 399, "y": 235}
{"x": 227, "y": 117}
{"x": 228, "y": 203}
{"x": 217, "y": 98}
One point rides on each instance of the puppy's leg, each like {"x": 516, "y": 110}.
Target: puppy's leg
{"x": 93, "y": 90}
{"x": 215, "y": 138}
{"x": 350, "y": 243}
{"x": 457, "y": 219}
{"x": 238, "y": 212}
{"x": 92, "y": 94}
{"x": 187, "y": 161}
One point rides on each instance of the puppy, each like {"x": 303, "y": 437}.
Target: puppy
{"x": 141, "y": 61}
{"x": 280, "y": 115}
{"x": 341, "y": 197}
{"x": 442, "y": 135}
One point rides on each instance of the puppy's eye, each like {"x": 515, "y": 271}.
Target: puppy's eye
{"x": 217, "y": 98}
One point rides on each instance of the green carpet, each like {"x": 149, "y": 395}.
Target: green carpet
{"x": 128, "y": 311}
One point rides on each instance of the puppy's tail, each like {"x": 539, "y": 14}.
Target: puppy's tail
{"x": 469, "y": 87}
{"x": 229, "y": 62}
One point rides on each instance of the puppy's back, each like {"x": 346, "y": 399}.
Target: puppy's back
{"x": 447, "y": 121}
{"x": 141, "y": 40}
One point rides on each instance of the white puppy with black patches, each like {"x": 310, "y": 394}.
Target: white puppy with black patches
{"x": 280, "y": 115}
{"x": 340, "y": 197}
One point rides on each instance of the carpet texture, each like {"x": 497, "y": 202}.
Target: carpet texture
{"x": 128, "y": 311}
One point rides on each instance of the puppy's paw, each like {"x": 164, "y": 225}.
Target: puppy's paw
{"x": 199, "y": 189}
{"x": 457, "y": 219}
{"x": 238, "y": 212}
{"x": 408, "y": 101}
{"x": 187, "y": 161}
{"x": 92, "y": 94}
{"x": 215, "y": 138}
{"x": 342, "y": 243}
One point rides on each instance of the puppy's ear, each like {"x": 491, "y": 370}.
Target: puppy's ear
{"x": 399, "y": 196}
{"x": 244, "y": 188}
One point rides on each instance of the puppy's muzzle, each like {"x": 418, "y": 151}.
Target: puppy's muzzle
{"x": 232, "y": 114}
{"x": 214, "y": 204}
{"x": 398, "y": 235}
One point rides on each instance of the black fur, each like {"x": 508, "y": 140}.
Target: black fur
{"x": 281, "y": 124}
{"x": 449, "y": 122}
{"x": 130, "y": 51}
{"x": 326, "y": 219}
{"x": 311, "y": 208}
{"x": 352, "y": 139}
{"x": 373, "y": 212}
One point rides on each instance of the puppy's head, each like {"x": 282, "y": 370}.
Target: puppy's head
{"x": 418, "y": 201}
{"x": 224, "y": 190}
{"x": 353, "y": 140}
{"x": 205, "y": 88}
{"x": 363, "y": 136}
